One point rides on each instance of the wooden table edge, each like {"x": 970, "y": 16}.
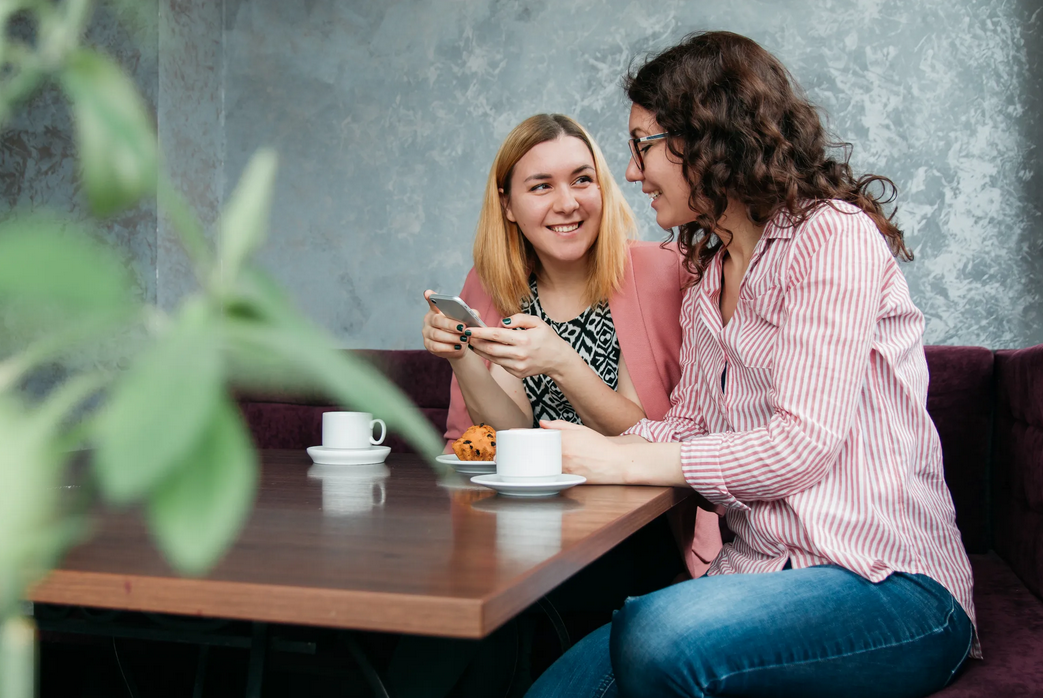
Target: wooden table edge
{"x": 444, "y": 616}
{"x": 332, "y": 608}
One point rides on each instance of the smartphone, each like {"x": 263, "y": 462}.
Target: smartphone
{"x": 452, "y": 306}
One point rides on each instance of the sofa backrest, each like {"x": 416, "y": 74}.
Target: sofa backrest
{"x": 284, "y": 420}
{"x": 959, "y": 400}
{"x": 1017, "y": 464}
{"x": 423, "y": 377}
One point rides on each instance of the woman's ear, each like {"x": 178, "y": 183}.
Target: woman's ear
{"x": 505, "y": 202}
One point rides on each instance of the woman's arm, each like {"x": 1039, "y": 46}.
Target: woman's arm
{"x": 819, "y": 366}
{"x": 820, "y": 362}
{"x": 476, "y": 394}
{"x": 618, "y": 460}
{"x": 601, "y": 408}
{"x": 530, "y": 347}
{"x": 491, "y": 394}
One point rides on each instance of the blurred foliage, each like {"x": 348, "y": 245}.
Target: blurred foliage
{"x": 165, "y": 432}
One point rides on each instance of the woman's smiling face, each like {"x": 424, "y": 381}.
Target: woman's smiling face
{"x": 555, "y": 199}
{"x": 662, "y": 179}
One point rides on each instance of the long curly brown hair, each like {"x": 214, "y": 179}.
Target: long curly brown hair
{"x": 744, "y": 129}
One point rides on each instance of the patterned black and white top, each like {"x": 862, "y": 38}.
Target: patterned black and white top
{"x": 593, "y": 335}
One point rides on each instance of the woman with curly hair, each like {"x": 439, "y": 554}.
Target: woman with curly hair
{"x": 800, "y": 414}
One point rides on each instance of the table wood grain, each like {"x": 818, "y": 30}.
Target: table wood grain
{"x": 399, "y": 548}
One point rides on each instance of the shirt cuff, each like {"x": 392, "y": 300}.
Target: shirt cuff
{"x": 653, "y": 431}
{"x": 701, "y": 465}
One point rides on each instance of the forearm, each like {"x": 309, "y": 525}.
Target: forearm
{"x": 486, "y": 401}
{"x": 621, "y": 460}
{"x": 600, "y": 407}
{"x": 643, "y": 463}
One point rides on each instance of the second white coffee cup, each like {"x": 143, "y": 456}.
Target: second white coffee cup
{"x": 350, "y": 430}
{"x": 528, "y": 455}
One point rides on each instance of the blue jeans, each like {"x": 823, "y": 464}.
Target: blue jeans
{"x": 818, "y": 631}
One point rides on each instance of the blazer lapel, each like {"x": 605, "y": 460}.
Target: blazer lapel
{"x": 634, "y": 310}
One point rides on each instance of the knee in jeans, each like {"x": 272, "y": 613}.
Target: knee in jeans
{"x": 643, "y": 648}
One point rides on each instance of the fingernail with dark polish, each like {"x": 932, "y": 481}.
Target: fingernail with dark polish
{"x": 468, "y": 333}
{"x": 463, "y": 338}
{"x": 456, "y": 346}
{"x": 459, "y": 328}
{"x": 506, "y": 321}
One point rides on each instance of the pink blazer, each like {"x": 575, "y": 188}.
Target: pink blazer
{"x": 646, "y": 312}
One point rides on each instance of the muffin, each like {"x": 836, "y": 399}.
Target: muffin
{"x": 477, "y": 443}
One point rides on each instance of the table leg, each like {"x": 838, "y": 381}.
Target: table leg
{"x": 556, "y": 621}
{"x": 370, "y": 674}
{"x": 128, "y": 680}
{"x": 258, "y": 650}
{"x": 197, "y": 691}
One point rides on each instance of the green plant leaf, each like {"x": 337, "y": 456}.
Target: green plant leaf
{"x": 158, "y": 410}
{"x": 173, "y": 205}
{"x": 47, "y": 262}
{"x": 29, "y": 467}
{"x": 18, "y": 657}
{"x": 114, "y": 134}
{"x": 245, "y": 219}
{"x": 258, "y": 296}
{"x": 309, "y": 357}
{"x": 196, "y": 513}
{"x": 140, "y": 18}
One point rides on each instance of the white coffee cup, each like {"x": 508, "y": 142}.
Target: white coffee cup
{"x": 528, "y": 455}
{"x": 350, "y": 430}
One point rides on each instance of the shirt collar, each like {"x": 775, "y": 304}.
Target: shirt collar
{"x": 780, "y": 227}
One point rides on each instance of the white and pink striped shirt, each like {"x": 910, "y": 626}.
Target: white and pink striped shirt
{"x": 819, "y": 445}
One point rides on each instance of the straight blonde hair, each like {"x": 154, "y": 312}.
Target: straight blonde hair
{"x": 503, "y": 258}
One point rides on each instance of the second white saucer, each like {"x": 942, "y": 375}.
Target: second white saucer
{"x": 323, "y": 455}
{"x": 467, "y": 467}
{"x": 528, "y": 489}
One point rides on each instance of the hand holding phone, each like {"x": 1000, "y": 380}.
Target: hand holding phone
{"x": 453, "y": 307}
{"x": 444, "y": 330}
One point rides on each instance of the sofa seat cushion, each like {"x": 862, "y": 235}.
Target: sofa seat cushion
{"x": 1010, "y": 623}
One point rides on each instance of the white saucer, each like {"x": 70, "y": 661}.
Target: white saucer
{"x": 468, "y": 467}
{"x": 528, "y": 489}
{"x": 323, "y": 455}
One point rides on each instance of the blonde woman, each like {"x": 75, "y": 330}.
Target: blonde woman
{"x": 583, "y": 323}
{"x": 583, "y": 320}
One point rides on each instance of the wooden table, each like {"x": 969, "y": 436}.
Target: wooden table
{"x": 396, "y": 549}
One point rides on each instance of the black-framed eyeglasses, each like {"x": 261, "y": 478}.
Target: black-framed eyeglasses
{"x": 638, "y": 147}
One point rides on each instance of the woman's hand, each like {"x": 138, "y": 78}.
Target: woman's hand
{"x": 525, "y": 346}
{"x": 588, "y": 453}
{"x": 444, "y": 336}
{"x": 618, "y": 460}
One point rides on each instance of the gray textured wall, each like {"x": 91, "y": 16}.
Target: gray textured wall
{"x": 190, "y": 125}
{"x": 387, "y": 116}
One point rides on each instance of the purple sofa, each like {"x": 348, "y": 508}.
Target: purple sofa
{"x": 988, "y": 408}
